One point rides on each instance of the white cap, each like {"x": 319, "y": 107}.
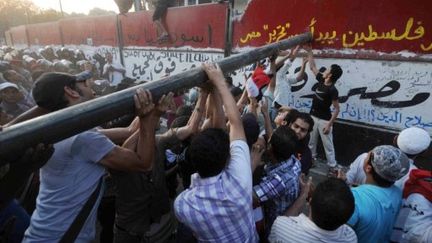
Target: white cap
{"x": 8, "y": 85}
{"x": 413, "y": 140}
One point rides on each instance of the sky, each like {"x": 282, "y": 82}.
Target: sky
{"x": 77, "y": 6}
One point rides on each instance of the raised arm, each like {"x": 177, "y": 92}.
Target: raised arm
{"x": 125, "y": 159}
{"x": 306, "y": 189}
{"x": 216, "y": 77}
{"x": 195, "y": 119}
{"x": 311, "y": 59}
{"x": 29, "y": 114}
{"x": 301, "y": 73}
{"x": 118, "y": 135}
{"x": 267, "y": 121}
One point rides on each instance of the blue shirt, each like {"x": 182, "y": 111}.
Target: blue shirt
{"x": 219, "y": 208}
{"x": 375, "y": 212}
{"x": 66, "y": 182}
{"x": 280, "y": 186}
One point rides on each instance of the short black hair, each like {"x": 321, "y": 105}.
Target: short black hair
{"x": 209, "y": 152}
{"x": 336, "y": 72}
{"x": 284, "y": 143}
{"x": 291, "y": 116}
{"x": 236, "y": 91}
{"x": 251, "y": 128}
{"x": 306, "y": 118}
{"x": 332, "y": 204}
{"x": 48, "y": 90}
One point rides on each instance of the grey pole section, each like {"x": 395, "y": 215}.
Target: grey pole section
{"x": 62, "y": 124}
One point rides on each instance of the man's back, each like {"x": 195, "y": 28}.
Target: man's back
{"x": 375, "y": 212}
{"x": 302, "y": 229}
{"x": 67, "y": 181}
{"x": 219, "y": 208}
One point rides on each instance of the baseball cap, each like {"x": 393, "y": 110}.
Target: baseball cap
{"x": 48, "y": 90}
{"x": 8, "y": 85}
{"x": 390, "y": 162}
{"x": 413, "y": 140}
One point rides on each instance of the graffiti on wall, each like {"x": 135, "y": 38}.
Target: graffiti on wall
{"x": 412, "y": 31}
{"x": 151, "y": 65}
{"x": 390, "y": 94}
{"x": 369, "y": 24}
{"x": 176, "y": 39}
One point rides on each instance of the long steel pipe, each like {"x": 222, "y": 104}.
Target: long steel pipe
{"x": 67, "y": 122}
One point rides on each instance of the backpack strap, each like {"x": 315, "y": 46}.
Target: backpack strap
{"x": 72, "y": 233}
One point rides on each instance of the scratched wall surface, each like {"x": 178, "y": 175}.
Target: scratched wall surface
{"x": 150, "y": 65}
{"x": 44, "y": 34}
{"x": 101, "y": 30}
{"x": 381, "y": 93}
{"x": 384, "y": 25}
{"x": 201, "y": 26}
{"x": 19, "y": 36}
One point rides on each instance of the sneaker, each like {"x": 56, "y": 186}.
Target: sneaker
{"x": 333, "y": 171}
{"x": 314, "y": 162}
{"x": 163, "y": 38}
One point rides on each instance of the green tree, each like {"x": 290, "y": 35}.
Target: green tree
{"x": 42, "y": 16}
{"x": 15, "y": 12}
{"x": 99, "y": 11}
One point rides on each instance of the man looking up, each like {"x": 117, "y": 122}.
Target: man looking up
{"x": 326, "y": 95}
{"x": 75, "y": 170}
{"x": 377, "y": 202}
{"x": 217, "y": 206}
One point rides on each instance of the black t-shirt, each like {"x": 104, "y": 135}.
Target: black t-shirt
{"x": 142, "y": 198}
{"x": 322, "y": 100}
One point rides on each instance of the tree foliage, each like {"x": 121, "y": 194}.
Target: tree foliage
{"x": 20, "y": 12}
{"x": 99, "y": 11}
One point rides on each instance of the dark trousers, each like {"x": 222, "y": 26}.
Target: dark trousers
{"x": 106, "y": 217}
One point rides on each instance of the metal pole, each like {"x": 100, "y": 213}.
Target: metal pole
{"x": 61, "y": 9}
{"x": 229, "y": 29}
{"x": 120, "y": 43}
{"x": 62, "y": 124}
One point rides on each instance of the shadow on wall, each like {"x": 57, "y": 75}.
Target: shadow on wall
{"x": 349, "y": 145}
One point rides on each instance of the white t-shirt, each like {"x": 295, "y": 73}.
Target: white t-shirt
{"x": 414, "y": 222}
{"x": 114, "y": 77}
{"x": 302, "y": 229}
{"x": 282, "y": 92}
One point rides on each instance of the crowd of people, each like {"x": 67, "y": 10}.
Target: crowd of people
{"x": 20, "y": 68}
{"x": 232, "y": 165}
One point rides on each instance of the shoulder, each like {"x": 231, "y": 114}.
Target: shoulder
{"x": 333, "y": 90}
{"x": 348, "y": 233}
{"x": 91, "y": 136}
{"x": 283, "y": 222}
{"x": 239, "y": 145}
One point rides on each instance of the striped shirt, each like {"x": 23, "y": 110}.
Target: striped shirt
{"x": 219, "y": 208}
{"x": 280, "y": 187}
{"x": 302, "y": 229}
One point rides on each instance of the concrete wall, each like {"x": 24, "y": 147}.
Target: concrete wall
{"x": 384, "y": 48}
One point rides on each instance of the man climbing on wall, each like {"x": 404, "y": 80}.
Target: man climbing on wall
{"x": 326, "y": 95}
{"x": 161, "y": 7}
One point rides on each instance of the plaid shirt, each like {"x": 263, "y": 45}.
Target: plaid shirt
{"x": 219, "y": 208}
{"x": 279, "y": 188}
